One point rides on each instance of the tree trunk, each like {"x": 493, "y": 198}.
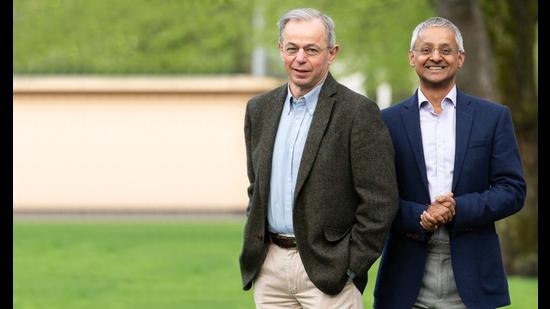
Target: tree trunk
{"x": 476, "y": 76}
{"x": 499, "y": 39}
{"x": 512, "y": 25}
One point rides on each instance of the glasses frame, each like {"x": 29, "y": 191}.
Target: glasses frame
{"x": 307, "y": 50}
{"x": 433, "y": 49}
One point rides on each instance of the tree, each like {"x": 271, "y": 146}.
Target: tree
{"x": 500, "y": 38}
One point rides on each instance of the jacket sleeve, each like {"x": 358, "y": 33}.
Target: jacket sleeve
{"x": 373, "y": 171}
{"x": 507, "y": 190}
{"x": 249, "y": 165}
{"x": 407, "y": 219}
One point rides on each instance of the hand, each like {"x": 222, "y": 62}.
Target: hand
{"x": 443, "y": 208}
{"x": 439, "y": 213}
{"x": 448, "y": 201}
{"x": 428, "y": 222}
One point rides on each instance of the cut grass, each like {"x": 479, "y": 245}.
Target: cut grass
{"x": 176, "y": 264}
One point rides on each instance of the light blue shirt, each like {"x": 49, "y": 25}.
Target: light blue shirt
{"x": 287, "y": 153}
{"x": 438, "y": 142}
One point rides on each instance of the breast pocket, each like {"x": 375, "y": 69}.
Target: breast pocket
{"x": 476, "y": 161}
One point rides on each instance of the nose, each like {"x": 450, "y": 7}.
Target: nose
{"x": 301, "y": 55}
{"x": 435, "y": 55}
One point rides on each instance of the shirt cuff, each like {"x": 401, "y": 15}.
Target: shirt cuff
{"x": 350, "y": 274}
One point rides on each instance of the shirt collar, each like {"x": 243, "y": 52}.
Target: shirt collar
{"x": 311, "y": 98}
{"x": 450, "y": 97}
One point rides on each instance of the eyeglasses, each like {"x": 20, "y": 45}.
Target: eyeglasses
{"x": 311, "y": 51}
{"x": 428, "y": 50}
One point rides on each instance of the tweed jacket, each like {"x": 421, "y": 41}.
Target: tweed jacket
{"x": 346, "y": 192}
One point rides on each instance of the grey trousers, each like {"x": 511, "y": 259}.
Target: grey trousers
{"x": 438, "y": 289}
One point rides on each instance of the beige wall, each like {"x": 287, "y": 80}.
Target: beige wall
{"x": 131, "y": 143}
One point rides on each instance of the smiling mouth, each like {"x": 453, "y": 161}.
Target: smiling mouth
{"x": 435, "y": 68}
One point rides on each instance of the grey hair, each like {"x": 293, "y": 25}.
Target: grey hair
{"x": 309, "y": 14}
{"x": 438, "y": 22}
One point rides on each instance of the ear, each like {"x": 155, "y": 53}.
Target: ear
{"x": 333, "y": 52}
{"x": 411, "y": 58}
{"x": 461, "y": 59}
{"x": 281, "y": 54}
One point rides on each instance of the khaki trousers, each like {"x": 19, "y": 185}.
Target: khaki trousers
{"x": 283, "y": 283}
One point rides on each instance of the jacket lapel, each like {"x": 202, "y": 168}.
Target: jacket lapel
{"x": 411, "y": 121}
{"x": 272, "y": 116}
{"x": 464, "y": 117}
{"x": 319, "y": 123}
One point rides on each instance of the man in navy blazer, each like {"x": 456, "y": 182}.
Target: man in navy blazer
{"x": 459, "y": 171}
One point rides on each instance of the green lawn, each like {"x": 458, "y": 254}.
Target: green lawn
{"x": 176, "y": 264}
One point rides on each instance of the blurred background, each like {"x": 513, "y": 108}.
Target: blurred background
{"x": 128, "y": 146}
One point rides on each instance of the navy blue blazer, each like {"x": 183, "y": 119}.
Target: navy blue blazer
{"x": 488, "y": 185}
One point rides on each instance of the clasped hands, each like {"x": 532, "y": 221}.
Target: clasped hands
{"x": 440, "y": 211}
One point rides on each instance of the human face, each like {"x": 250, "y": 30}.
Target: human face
{"x": 304, "y": 71}
{"x": 435, "y": 69}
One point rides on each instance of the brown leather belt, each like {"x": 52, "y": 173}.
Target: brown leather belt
{"x": 282, "y": 241}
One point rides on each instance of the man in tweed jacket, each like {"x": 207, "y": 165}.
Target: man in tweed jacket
{"x": 323, "y": 190}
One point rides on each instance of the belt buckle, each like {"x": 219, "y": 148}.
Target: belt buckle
{"x": 283, "y": 241}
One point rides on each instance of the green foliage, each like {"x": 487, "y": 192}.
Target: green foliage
{"x": 374, "y": 37}
{"x": 175, "y": 264}
{"x": 131, "y": 37}
{"x": 204, "y": 37}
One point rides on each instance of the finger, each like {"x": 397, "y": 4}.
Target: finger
{"x": 426, "y": 224}
{"x": 448, "y": 205}
{"x": 423, "y": 226}
{"x": 424, "y": 221}
{"x": 448, "y": 214}
{"x": 427, "y": 227}
{"x": 440, "y": 218}
{"x": 429, "y": 218}
{"x": 447, "y": 202}
{"x": 447, "y": 217}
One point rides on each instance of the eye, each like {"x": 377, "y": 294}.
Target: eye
{"x": 446, "y": 51}
{"x": 312, "y": 51}
{"x": 291, "y": 50}
{"x": 425, "y": 50}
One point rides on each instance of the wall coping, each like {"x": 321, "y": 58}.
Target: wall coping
{"x": 144, "y": 84}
